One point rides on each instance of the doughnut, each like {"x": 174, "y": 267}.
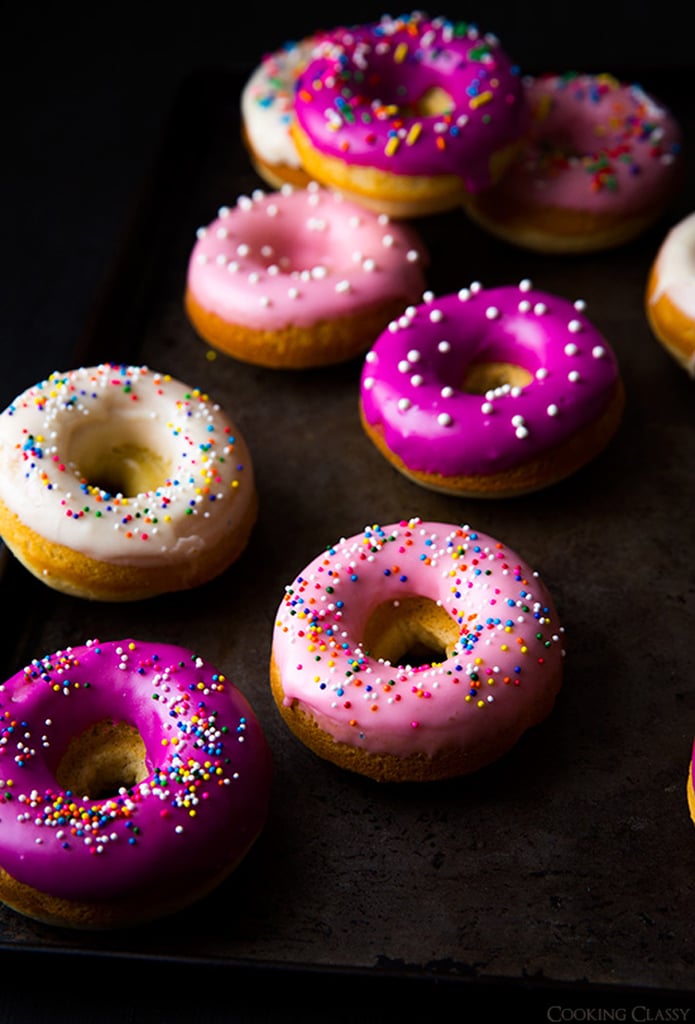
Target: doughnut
{"x": 267, "y": 104}
{"x": 690, "y": 785}
{"x": 491, "y": 392}
{"x": 670, "y": 298}
{"x": 119, "y": 483}
{"x": 408, "y": 115}
{"x": 602, "y": 163}
{"x": 415, "y": 652}
{"x": 300, "y": 278}
{"x": 134, "y": 779}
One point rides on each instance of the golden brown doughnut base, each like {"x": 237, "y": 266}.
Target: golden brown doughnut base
{"x": 295, "y": 348}
{"x": 671, "y": 327}
{"x": 691, "y": 792}
{"x": 551, "y": 468}
{"x": 552, "y": 229}
{"x": 418, "y": 767}
{"x": 275, "y": 175}
{"x": 137, "y": 909}
{"x": 79, "y": 575}
{"x": 397, "y": 195}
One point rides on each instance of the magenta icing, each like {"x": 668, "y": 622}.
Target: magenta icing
{"x": 200, "y": 808}
{"x": 596, "y": 144}
{"x": 412, "y": 377}
{"x": 507, "y": 662}
{"x": 352, "y": 100}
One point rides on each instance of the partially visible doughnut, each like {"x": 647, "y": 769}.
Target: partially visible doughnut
{"x": 491, "y": 392}
{"x": 300, "y": 278}
{"x": 415, "y": 651}
{"x": 267, "y": 111}
{"x": 670, "y": 297}
{"x": 602, "y": 163}
{"x": 134, "y": 779}
{"x": 408, "y": 115}
{"x": 119, "y": 483}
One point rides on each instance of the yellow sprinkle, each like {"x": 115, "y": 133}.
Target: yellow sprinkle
{"x": 400, "y": 53}
{"x": 413, "y": 134}
{"x": 483, "y": 97}
{"x": 210, "y": 355}
{"x": 481, "y": 703}
{"x": 392, "y": 145}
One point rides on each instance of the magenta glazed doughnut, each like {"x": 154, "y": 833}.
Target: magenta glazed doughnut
{"x": 408, "y": 115}
{"x": 491, "y": 392}
{"x": 134, "y": 779}
{"x": 415, "y": 651}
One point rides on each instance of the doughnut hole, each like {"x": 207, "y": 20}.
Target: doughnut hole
{"x": 433, "y": 102}
{"x": 414, "y": 631}
{"x": 486, "y": 376}
{"x": 113, "y": 458}
{"x": 104, "y": 759}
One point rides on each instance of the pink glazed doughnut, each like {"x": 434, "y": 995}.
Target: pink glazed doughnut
{"x": 690, "y": 785}
{"x": 408, "y": 115}
{"x": 300, "y": 278}
{"x": 491, "y": 392}
{"x": 349, "y": 675}
{"x": 602, "y": 163}
{"x": 134, "y": 778}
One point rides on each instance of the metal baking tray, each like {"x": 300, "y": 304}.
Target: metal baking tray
{"x": 572, "y": 859}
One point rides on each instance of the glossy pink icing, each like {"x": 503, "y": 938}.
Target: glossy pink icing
{"x": 300, "y": 256}
{"x": 507, "y": 660}
{"x": 200, "y": 808}
{"x": 412, "y": 376}
{"x": 207, "y": 485}
{"x": 352, "y": 100}
{"x": 595, "y": 144}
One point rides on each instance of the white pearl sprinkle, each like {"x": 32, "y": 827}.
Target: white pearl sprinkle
{"x": 413, "y": 355}
{"x": 436, "y": 316}
{"x": 444, "y": 346}
{"x": 368, "y": 383}
{"x": 404, "y": 366}
{"x": 541, "y": 373}
{"x": 447, "y": 392}
{"x": 573, "y": 375}
{"x": 540, "y": 308}
{"x": 416, "y": 380}
{"x": 486, "y": 407}
{"x": 552, "y": 410}
{"x": 571, "y": 349}
{"x": 403, "y": 404}
{"x": 574, "y": 326}
{"x": 598, "y": 351}
{"x": 524, "y": 306}
{"x": 444, "y": 419}
{"x": 492, "y": 313}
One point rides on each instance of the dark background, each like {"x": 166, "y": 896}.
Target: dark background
{"x": 85, "y": 97}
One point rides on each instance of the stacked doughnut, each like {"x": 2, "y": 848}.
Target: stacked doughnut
{"x": 406, "y": 115}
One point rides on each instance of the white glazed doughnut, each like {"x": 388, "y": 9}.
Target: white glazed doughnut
{"x": 119, "y": 483}
{"x": 670, "y": 299}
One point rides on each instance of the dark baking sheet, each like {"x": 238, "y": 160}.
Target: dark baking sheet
{"x": 572, "y": 860}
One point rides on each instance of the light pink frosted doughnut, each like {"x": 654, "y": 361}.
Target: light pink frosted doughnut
{"x": 300, "y": 277}
{"x": 602, "y": 162}
{"x": 346, "y": 628}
